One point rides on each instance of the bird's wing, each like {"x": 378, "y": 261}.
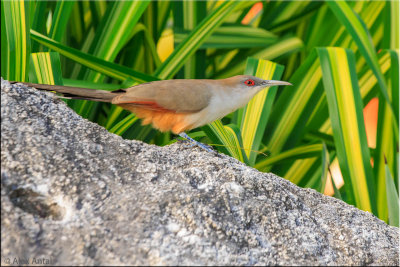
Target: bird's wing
{"x": 186, "y": 96}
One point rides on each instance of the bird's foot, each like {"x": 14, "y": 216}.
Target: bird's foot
{"x": 193, "y": 142}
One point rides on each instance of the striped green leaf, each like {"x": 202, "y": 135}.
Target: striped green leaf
{"x": 60, "y": 19}
{"x": 45, "y": 68}
{"x": 386, "y": 140}
{"x": 91, "y": 85}
{"x": 283, "y": 11}
{"x": 123, "y": 125}
{"x": 299, "y": 152}
{"x": 15, "y": 42}
{"x": 391, "y": 26}
{"x": 38, "y": 23}
{"x": 253, "y": 118}
{"x": 299, "y": 171}
{"x": 358, "y": 30}
{"x": 345, "y": 110}
{"x": 229, "y": 137}
{"x": 394, "y": 81}
{"x": 367, "y": 82}
{"x": 235, "y": 37}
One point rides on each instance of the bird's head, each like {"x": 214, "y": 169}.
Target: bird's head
{"x": 242, "y": 88}
{"x": 252, "y": 83}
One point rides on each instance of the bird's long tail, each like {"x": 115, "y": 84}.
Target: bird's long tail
{"x": 76, "y": 92}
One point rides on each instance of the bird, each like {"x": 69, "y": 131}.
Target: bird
{"x": 176, "y": 105}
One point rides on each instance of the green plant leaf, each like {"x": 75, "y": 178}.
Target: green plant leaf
{"x": 386, "y": 140}
{"x": 392, "y": 198}
{"x": 91, "y": 85}
{"x": 319, "y": 118}
{"x": 124, "y": 124}
{"x": 229, "y": 137}
{"x": 356, "y": 27}
{"x": 15, "y": 41}
{"x": 45, "y": 68}
{"x": 234, "y": 37}
{"x": 345, "y": 109}
{"x": 76, "y": 26}
{"x": 38, "y": 23}
{"x": 60, "y": 19}
{"x": 299, "y": 152}
{"x": 281, "y": 13}
{"x": 391, "y": 26}
{"x": 394, "y": 81}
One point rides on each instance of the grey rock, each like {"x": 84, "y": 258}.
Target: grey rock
{"x": 74, "y": 194}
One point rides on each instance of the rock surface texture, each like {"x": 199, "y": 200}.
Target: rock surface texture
{"x": 74, "y": 194}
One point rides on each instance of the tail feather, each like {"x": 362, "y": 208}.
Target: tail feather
{"x": 76, "y": 92}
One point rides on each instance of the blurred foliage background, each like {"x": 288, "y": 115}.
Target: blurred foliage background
{"x": 341, "y": 57}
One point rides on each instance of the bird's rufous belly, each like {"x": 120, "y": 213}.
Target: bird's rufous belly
{"x": 162, "y": 120}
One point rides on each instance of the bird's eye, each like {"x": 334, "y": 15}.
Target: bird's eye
{"x": 249, "y": 82}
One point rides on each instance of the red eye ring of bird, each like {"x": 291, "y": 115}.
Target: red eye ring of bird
{"x": 249, "y": 82}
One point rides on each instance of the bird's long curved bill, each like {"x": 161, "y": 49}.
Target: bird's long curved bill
{"x": 274, "y": 83}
